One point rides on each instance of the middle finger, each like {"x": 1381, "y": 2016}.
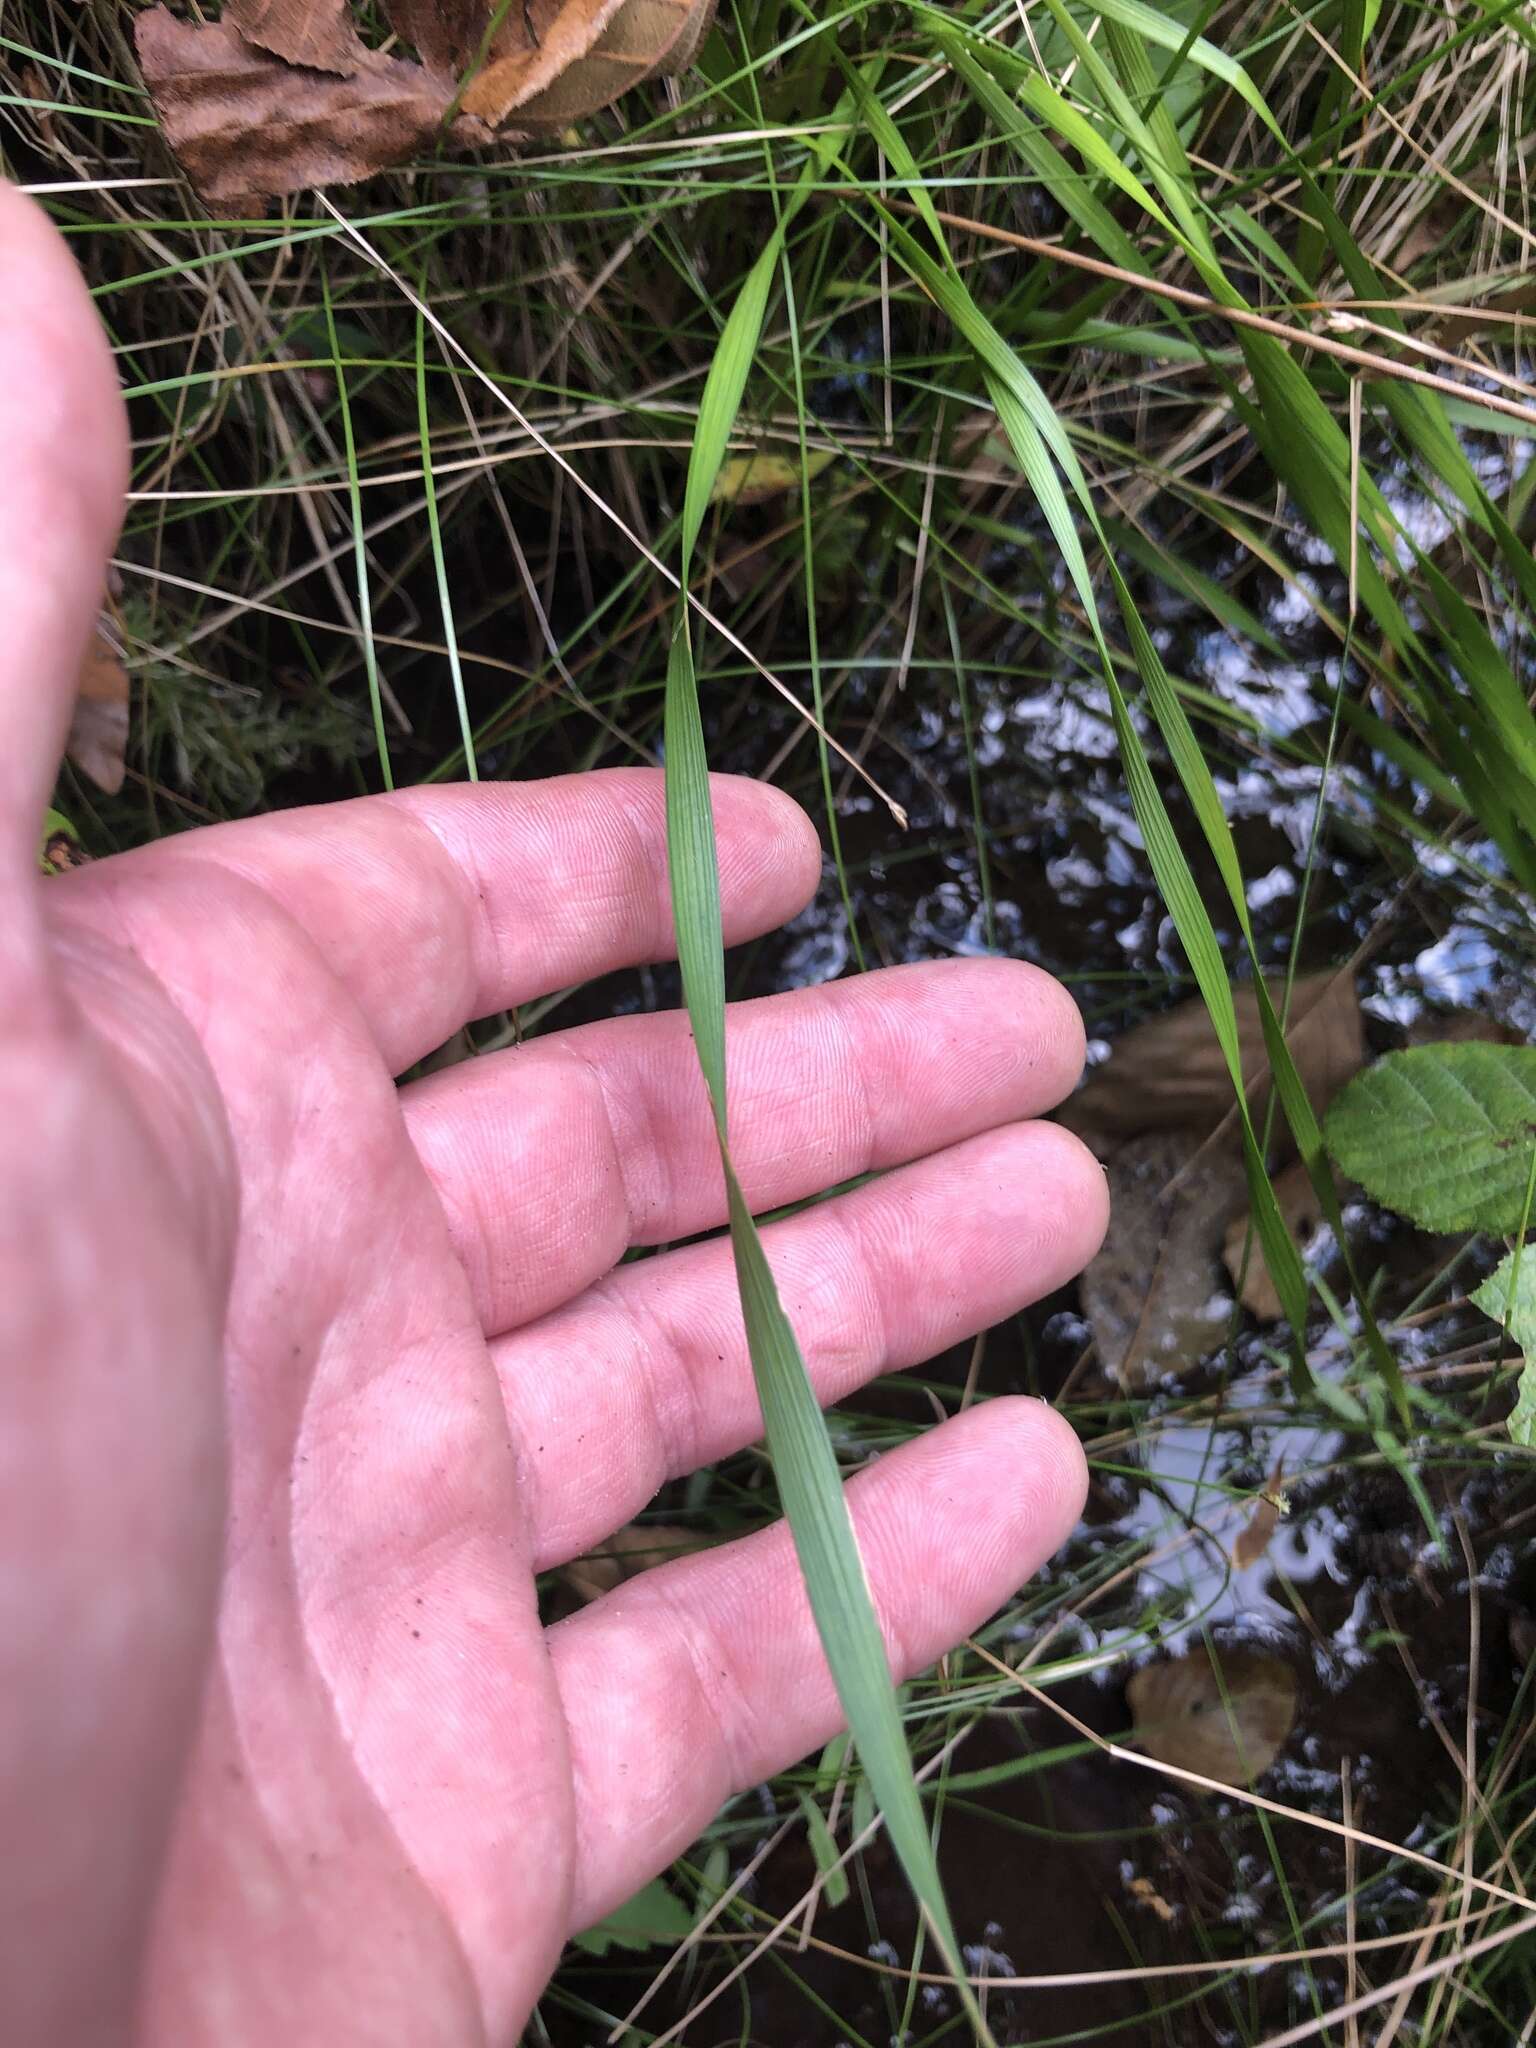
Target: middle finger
{"x": 553, "y": 1158}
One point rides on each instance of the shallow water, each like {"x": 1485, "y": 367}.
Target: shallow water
{"x": 1405, "y": 1640}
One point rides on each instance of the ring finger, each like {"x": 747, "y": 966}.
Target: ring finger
{"x": 647, "y": 1376}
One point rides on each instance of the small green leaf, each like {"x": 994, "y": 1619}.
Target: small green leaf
{"x": 52, "y": 857}
{"x": 824, "y": 1849}
{"x": 1509, "y": 1296}
{"x": 1442, "y": 1133}
{"x": 749, "y": 479}
{"x": 653, "y": 1916}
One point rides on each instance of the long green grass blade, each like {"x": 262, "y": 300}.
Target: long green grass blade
{"x": 359, "y": 544}
{"x": 805, "y": 1465}
{"x": 439, "y": 558}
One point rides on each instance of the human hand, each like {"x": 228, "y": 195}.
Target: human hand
{"x": 306, "y": 1375}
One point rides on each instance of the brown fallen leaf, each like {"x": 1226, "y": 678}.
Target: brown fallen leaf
{"x": 1229, "y": 1725}
{"x": 98, "y": 731}
{"x": 534, "y": 44}
{"x": 557, "y": 61}
{"x": 1151, "y": 1293}
{"x": 752, "y": 479}
{"x": 445, "y": 34}
{"x": 1303, "y": 1214}
{"x": 281, "y": 95}
{"x": 645, "y": 39}
{"x": 318, "y": 33}
{"x": 627, "y": 1552}
{"x": 1170, "y": 1073}
{"x": 1254, "y": 1539}
{"x": 1462, "y": 1027}
{"x": 244, "y": 123}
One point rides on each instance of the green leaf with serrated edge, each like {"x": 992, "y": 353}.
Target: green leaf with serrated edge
{"x": 654, "y": 1915}
{"x": 1442, "y": 1133}
{"x": 1509, "y": 1296}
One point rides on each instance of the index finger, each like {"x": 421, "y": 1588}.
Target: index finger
{"x": 436, "y": 906}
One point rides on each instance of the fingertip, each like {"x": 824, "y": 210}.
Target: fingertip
{"x": 1082, "y": 1190}
{"x": 770, "y": 855}
{"x": 1048, "y": 1016}
{"x": 61, "y": 409}
{"x": 1048, "y": 1209}
{"x": 1052, "y": 1472}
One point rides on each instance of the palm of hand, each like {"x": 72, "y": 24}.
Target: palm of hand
{"x": 380, "y": 1789}
{"x": 393, "y": 1317}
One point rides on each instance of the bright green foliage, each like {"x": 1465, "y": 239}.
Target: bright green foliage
{"x": 1442, "y": 1133}
{"x": 654, "y": 1915}
{"x": 1509, "y": 1296}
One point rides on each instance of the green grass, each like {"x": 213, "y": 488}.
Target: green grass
{"x": 1128, "y": 331}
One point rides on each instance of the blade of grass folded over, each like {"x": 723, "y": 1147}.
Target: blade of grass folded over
{"x": 1046, "y": 456}
{"x": 1123, "y": 131}
{"x": 359, "y": 544}
{"x": 805, "y": 1465}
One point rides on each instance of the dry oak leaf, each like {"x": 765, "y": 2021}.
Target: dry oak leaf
{"x": 98, "y": 730}
{"x": 445, "y": 34}
{"x": 1170, "y": 1073}
{"x": 1228, "y": 1723}
{"x": 242, "y": 121}
{"x": 317, "y": 33}
{"x": 556, "y": 61}
{"x": 1150, "y": 1293}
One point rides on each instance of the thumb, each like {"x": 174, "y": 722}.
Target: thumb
{"x": 64, "y": 447}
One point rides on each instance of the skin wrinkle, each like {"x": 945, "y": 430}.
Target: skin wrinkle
{"x": 478, "y": 927}
{"x": 671, "y": 1396}
{"x": 144, "y": 1033}
{"x": 651, "y": 1149}
{"x": 297, "y": 1848}
{"x": 730, "y": 1707}
{"x": 448, "y": 899}
{"x": 851, "y": 1330}
{"x": 870, "y": 1148}
{"x": 872, "y": 1330}
{"x": 640, "y": 860}
{"x": 852, "y": 1098}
